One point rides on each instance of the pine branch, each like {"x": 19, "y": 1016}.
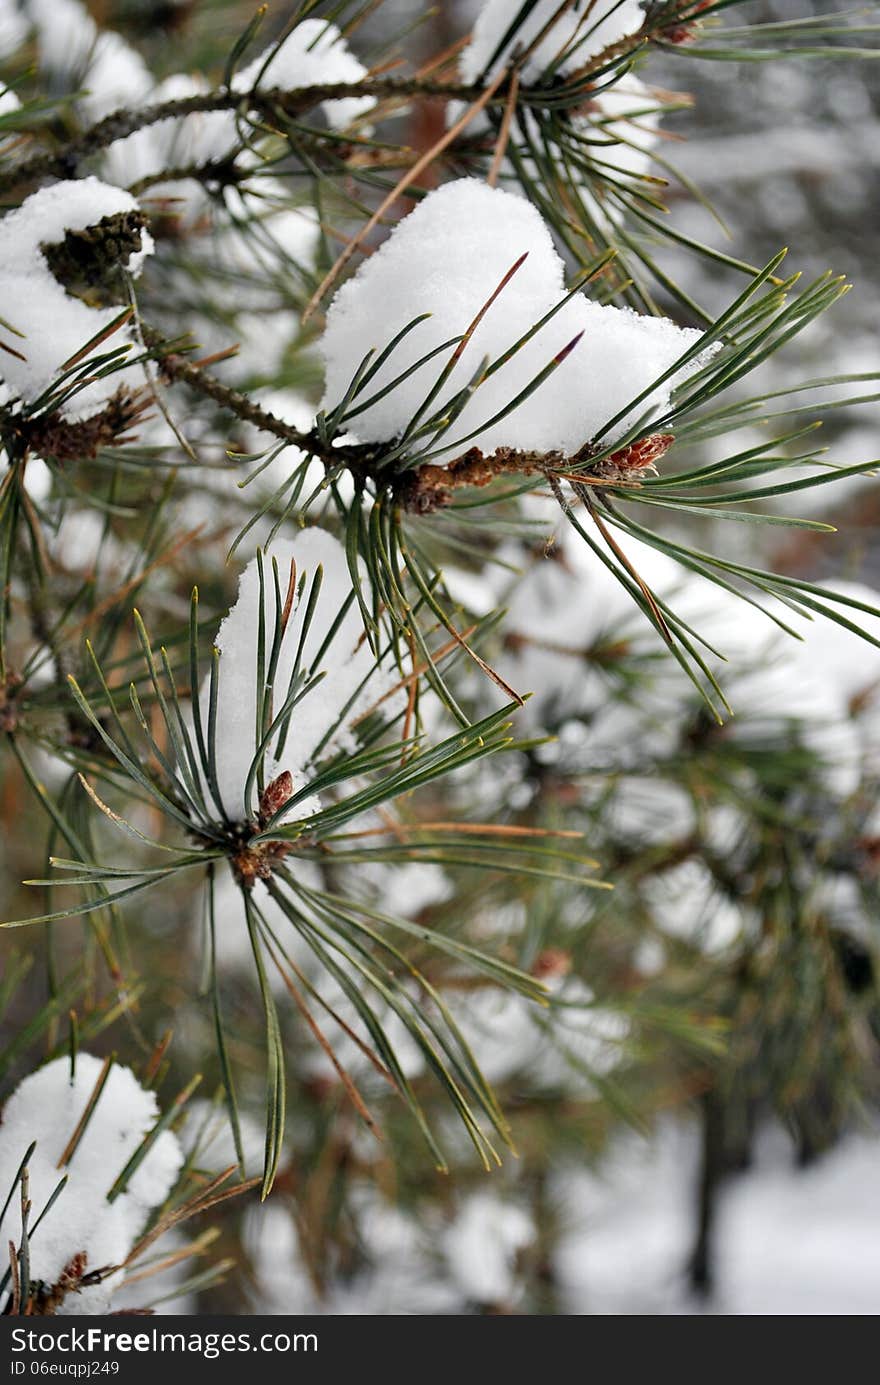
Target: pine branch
{"x": 177, "y": 367}
{"x": 422, "y": 489}
{"x": 267, "y": 104}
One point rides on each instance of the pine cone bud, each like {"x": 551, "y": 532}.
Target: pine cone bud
{"x": 89, "y": 263}
{"x": 275, "y": 795}
{"x": 552, "y": 962}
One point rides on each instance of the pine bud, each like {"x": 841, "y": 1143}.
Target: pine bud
{"x": 275, "y": 795}
{"x": 89, "y": 263}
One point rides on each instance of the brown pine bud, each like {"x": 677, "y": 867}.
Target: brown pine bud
{"x": 90, "y": 263}
{"x": 275, "y": 795}
{"x": 552, "y": 962}
{"x": 637, "y": 460}
{"x": 687, "y": 31}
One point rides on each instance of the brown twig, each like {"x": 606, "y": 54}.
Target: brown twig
{"x": 15, "y": 1308}
{"x": 119, "y": 124}
{"x": 427, "y": 488}
{"x": 504, "y": 133}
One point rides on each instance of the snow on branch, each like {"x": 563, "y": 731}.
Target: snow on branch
{"x": 307, "y": 654}
{"x": 49, "y": 326}
{"x": 443, "y": 264}
{"x": 85, "y": 1126}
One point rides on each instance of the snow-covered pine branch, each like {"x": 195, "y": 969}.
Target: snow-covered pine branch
{"x": 74, "y": 1126}
{"x": 443, "y": 334}
{"x": 295, "y": 671}
{"x": 445, "y": 263}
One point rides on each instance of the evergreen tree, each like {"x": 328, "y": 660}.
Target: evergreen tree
{"x": 411, "y": 757}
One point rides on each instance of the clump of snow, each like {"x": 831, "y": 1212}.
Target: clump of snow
{"x": 551, "y": 1047}
{"x": 614, "y": 133}
{"x": 646, "y": 810}
{"x": 271, "y": 1242}
{"x": 498, "y": 1027}
{"x": 13, "y": 28}
{"x": 582, "y": 31}
{"x": 167, "y": 1287}
{"x": 447, "y": 258}
{"x": 38, "y": 479}
{"x": 313, "y": 54}
{"x": 848, "y": 664}
{"x": 266, "y": 247}
{"x": 54, "y": 324}
{"x": 9, "y": 102}
{"x": 47, "y": 1107}
{"x": 581, "y": 1039}
{"x": 395, "y": 1275}
{"x": 686, "y": 903}
{"x": 97, "y": 60}
{"x": 220, "y": 497}
{"x": 233, "y": 950}
{"x": 44, "y": 218}
{"x": 327, "y": 709}
{"x": 349, "y": 1053}
{"x": 564, "y": 614}
{"x": 618, "y": 137}
{"x": 617, "y": 133}
{"x": 624, "y": 127}
{"x": 406, "y": 888}
{"x": 482, "y": 1245}
{"x": 286, "y": 234}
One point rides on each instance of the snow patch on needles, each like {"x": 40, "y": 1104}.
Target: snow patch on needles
{"x": 575, "y": 637}
{"x": 9, "y": 103}
{"x": 313, "y": 54}
{"x": 447, "y": 258}
{"x": 47, "y": 1108}
{"x": 321, "y": 719}
{"x": 55, "y": 325}
{"x": 583, "y": 31}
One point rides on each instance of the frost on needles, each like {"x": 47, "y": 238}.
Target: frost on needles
{"x": 447, "y": 259}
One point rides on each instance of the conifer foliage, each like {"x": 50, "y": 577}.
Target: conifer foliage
{"x": 409, "y": 741}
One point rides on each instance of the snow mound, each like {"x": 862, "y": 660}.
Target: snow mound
{"x": 55, "y": 325}
{"x": 46, "y": 1107}
{"x": 314, "y": 54}
{"x": 447, "y": 258}
{"x": 321, "y": 718}
{"x": 96, "y": 61}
